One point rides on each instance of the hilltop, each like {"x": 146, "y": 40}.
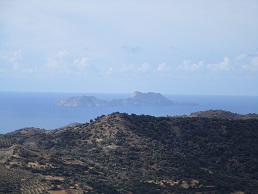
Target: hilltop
{"x": 136, "y": 99}
{"x": 221, "y": 114}
{"x": 122, "y": 153}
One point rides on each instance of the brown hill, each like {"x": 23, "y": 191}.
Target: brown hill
{"x": 221, "y": 114}
{"x": 121, "y": 153}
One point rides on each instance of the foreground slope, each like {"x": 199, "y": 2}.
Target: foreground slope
{"x": 121, "y": 153}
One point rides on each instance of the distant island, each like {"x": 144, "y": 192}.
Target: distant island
{"x": 81, "y": 101}
{"x": 136, "y": 99}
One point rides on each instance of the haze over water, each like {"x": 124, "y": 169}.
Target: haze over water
{"x": 19, "y": 110}
{"x": 205, "y": 50}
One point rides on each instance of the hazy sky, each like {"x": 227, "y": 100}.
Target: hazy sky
{"x": 167, "y": 46}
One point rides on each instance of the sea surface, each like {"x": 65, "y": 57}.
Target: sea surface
{"x": 36, "y": 109}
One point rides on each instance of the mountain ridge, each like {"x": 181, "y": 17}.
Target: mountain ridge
{"x": 222, "y": 114}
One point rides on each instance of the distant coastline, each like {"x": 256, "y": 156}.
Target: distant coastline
{"x": 136, "y": 99}
{"x": 37, "y": 109}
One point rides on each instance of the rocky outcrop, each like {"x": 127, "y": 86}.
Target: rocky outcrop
{"x": 144, "y": 99}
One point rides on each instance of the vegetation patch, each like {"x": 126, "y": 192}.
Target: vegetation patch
{"x": 122, "y": 153}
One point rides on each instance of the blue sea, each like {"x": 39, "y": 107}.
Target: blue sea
{"x": 36, "y": 109}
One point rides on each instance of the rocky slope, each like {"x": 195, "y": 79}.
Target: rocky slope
{"x": 121, "y": 153}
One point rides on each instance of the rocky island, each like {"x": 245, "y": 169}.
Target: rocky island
{"x": 81, "y": 101}
{"x": 136, "y": 99}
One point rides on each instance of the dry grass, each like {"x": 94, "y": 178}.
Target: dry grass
{"x": 67, "y": 191}
{"x": 54, "y": 178}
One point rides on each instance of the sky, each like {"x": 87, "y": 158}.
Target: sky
{"x": 120, "y": 46}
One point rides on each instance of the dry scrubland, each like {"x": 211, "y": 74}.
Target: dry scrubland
{"x": 211, "y": 151}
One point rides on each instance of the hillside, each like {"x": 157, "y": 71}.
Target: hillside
{"x": 121, "y": 153}
{"x": 221, "y": 114}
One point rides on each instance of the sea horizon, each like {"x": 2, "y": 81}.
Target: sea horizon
{"x": 127, "y": 93}
{"x": 36, "y": 109}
